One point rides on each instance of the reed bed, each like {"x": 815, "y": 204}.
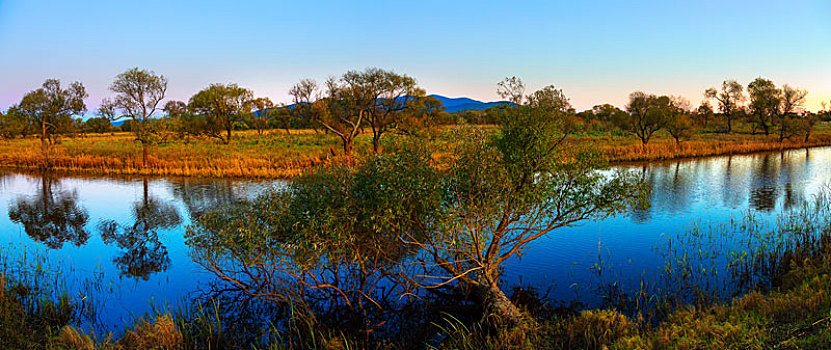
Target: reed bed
{"x": 627, "y": 149}
{"x": 278, "y": 155}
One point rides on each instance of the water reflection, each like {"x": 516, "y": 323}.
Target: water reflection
{"x": 143, "y": 252}
{"x": 124, "y": 227}
{"x": 52, "y": 216}
{"x": 763, "y": 182}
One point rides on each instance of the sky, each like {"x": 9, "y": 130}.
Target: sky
{"x": 597, "y": 51}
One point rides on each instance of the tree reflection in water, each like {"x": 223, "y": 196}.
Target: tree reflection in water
{"x": 53, "y": 216}
{"x": 144, "y": 254}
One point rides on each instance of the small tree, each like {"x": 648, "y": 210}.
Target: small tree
{"x": 222, "y": 106}
{"x": 704, "y": 113}
{"x": 647, "y": 114}
{"x": 98, "y": 125}
{"x": 51, "y": 108}
{"x": 15, "y": 123}
{"x": 263, "y": 111}
{"x": 729, "y": 99}
{"x": 792, "y": 100}
{"x": 511, "y": 89}
{"x": 138, "y": 96}
{"x": 679, "y": 124}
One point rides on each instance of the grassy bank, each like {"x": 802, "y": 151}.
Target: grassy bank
{"x": 277, "y": 155}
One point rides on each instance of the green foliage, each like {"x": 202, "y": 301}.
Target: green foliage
{"x": 98, "y": 125}
{"x": 647, "y": 114}
{"x": 729, "y": 99}
{"x": 49, "y": 110}
{"x": 222, "y": 106}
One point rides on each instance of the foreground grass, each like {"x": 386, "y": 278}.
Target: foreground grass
{"x": 277, "y": 155}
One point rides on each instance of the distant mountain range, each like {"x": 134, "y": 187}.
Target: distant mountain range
{"x": 450, "y": 105}
{"x": 465, "y": 104}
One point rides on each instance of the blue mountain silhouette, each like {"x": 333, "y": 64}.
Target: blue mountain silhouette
{"x": 466, "y": 104}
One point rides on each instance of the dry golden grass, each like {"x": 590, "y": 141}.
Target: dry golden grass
{"x": 627, "y": 149}
{"x": 277, "y": 155}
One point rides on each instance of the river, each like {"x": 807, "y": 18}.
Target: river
{"x": 120, "y": 241}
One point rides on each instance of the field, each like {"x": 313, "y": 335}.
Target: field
{"x": 276, "y": 154}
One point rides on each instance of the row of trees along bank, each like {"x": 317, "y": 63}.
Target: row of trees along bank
{"x": 380, "y": 102}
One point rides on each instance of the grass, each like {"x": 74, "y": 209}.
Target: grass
{"x": 277, "y": 155}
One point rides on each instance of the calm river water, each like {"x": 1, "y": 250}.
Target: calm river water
{"x": 126, "y": 234}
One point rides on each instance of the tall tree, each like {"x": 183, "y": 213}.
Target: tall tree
{"x": 222, "y": 106}
{"x": 139, "y": 93}
{"x": 51, "y": 108}
{"x": 765, "y": 103}
{"x": 729, "y": 99}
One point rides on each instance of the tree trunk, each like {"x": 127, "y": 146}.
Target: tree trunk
{"x": 729, "y": 123}
{"x": 376, "y": 139}
{"x": 228, "y": 136}
{"x": 143, "y": 155}
{"x": 43, "y": 146}
{"x": 498, "y": 309}
{"x": 347, "y": 147}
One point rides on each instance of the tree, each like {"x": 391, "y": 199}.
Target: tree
{"x": 51, "y": 108}
{"x": 678, "y": 123}
{"x": 222, "y": 106}
{"x": 98, "y": 125}
{"x": 704, "y": 113}
{"x": 184, "y": 122}
{"x": 765, "y": 103}
{"x": 283, "y": 118}
{"x": 427, "y": 112}
{"x": 14, "y": 123}
{"x": 792, "y": 100}
{"x": 647, "y": 114}
{"x": 263, "y": 111}
{"x": 342, "y": 111}
{"x": 138, "y": 95}
{"x": 390, "y": 98}
{"x": 607, "y": 112}
{"x": 729, "y": 98}
{"x": 459, "y": 222}
{"x": 512, "y": 89}
{"x": 549, "y": 98}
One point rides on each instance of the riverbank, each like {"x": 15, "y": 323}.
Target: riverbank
{"x": 276, "y": 155}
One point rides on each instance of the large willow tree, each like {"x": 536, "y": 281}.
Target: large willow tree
{"x": 425, "y": 223}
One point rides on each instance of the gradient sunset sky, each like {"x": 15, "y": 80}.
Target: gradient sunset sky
{"x": 596, "y": 51}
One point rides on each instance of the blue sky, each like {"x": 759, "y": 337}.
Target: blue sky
{"x": 596, "y": 51}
